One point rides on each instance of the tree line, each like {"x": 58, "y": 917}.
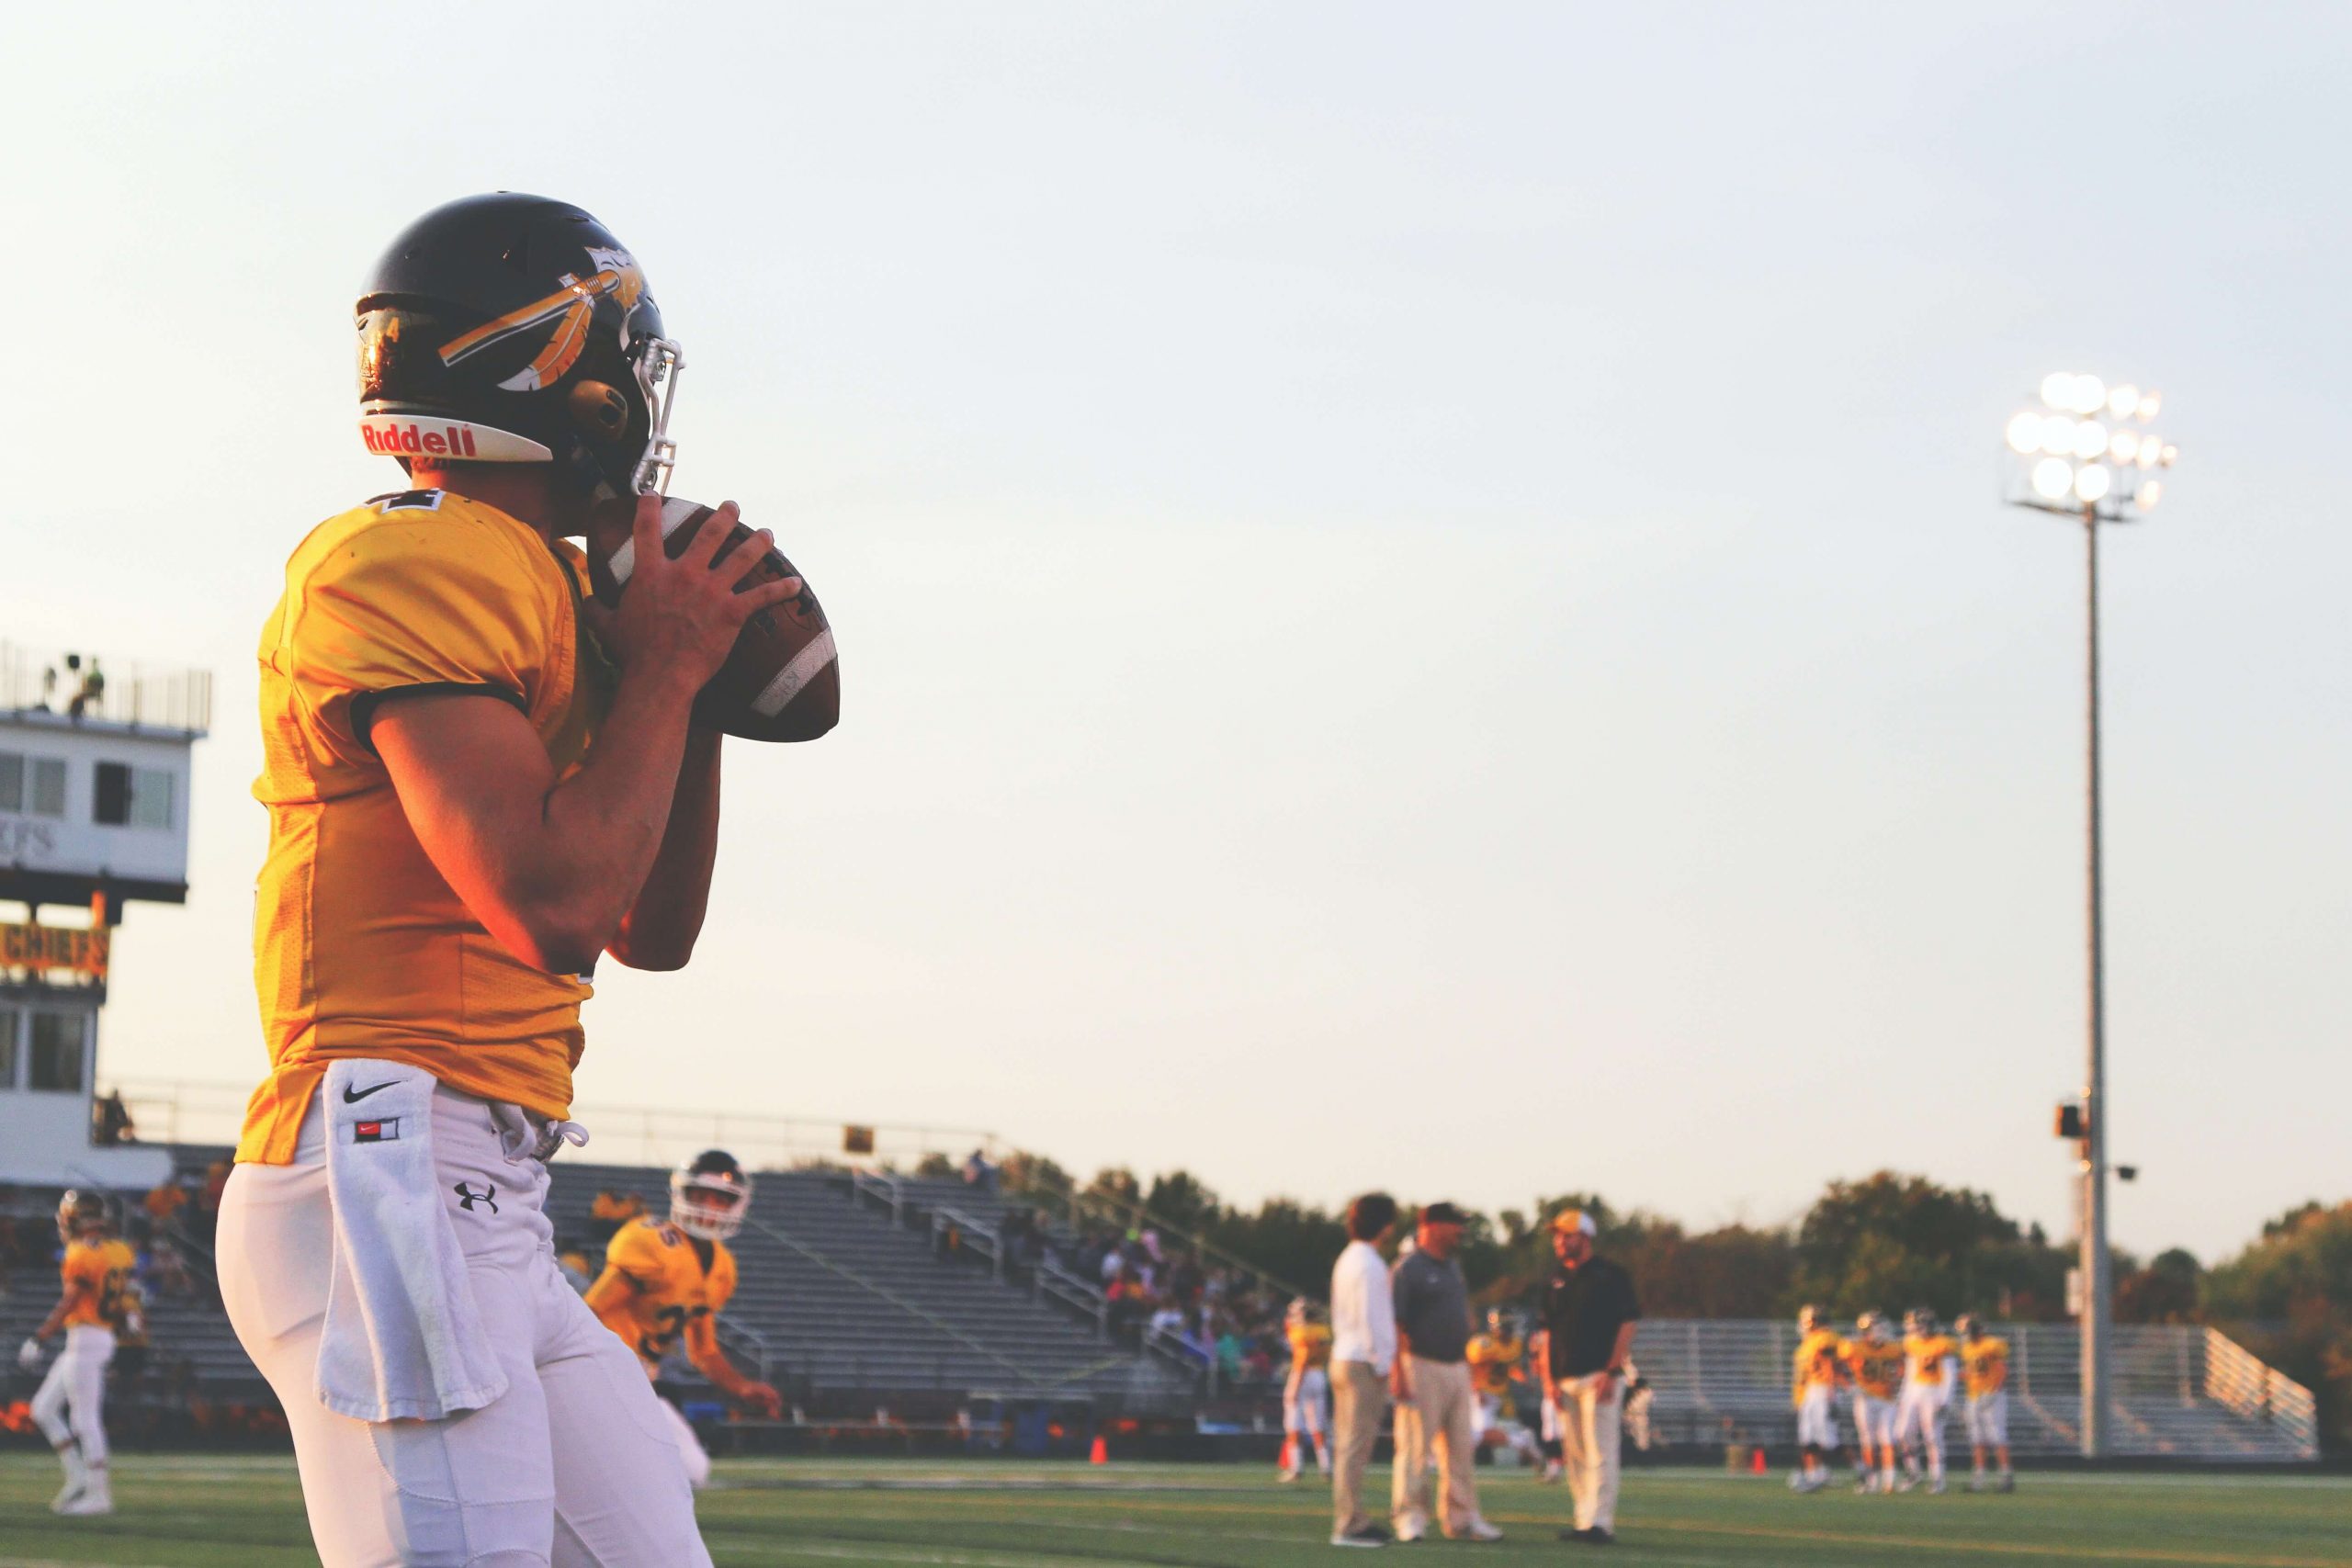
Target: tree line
{"x": 1888, "y": 1241}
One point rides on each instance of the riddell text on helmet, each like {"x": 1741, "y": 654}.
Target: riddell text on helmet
{"x": 452, "y": 441}
{"x": 401, "y": 435}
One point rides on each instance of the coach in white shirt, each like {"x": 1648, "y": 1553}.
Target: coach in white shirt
{"x": 1364, "y": 1349}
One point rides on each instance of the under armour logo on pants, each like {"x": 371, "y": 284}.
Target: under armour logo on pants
{"x": 467, "y": 1197}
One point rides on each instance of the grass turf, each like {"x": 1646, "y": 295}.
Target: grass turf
{"x": 187, "y": 1511}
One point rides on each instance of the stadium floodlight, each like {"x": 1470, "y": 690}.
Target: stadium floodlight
{"x": 2114, "y": 481}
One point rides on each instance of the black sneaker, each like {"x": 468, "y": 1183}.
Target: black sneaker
{"x": 1363, "y": 1535}
{"x": 1595, "y": 1536}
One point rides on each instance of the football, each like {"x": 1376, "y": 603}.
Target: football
{"x": 782, "y": 682}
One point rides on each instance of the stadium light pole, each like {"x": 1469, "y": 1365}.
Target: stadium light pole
{"x": 2086, "y": 454}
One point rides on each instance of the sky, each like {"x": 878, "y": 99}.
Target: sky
{"x": 1422, "y": 591}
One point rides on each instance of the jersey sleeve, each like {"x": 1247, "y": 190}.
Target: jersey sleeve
{"x": 437, "y": 604}
{"x": 634, "y": 1252}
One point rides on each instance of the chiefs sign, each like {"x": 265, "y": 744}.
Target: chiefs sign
{"x": 55, "y": 947}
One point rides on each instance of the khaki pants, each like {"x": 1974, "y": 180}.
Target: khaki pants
{"x": 1589, "y": 1430}
{"x": 1437, "y": 1416}
{"x": 1359, "y": 1394}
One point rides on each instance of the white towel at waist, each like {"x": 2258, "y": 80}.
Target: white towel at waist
{"x": 403, "y": 1337}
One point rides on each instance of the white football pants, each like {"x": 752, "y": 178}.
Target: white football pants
{"x": 67, "y": 1407}
{"x": 1921, "y": 1410}
{"x": 574, "y": 1466}
{"x": 690, "y": 1449}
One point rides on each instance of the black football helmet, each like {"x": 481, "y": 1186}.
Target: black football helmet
{"x": 709, "y": 1195}
{"x": 514, "y": 328}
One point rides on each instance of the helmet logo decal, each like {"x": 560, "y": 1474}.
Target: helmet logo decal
{"x": 570, "y": 308}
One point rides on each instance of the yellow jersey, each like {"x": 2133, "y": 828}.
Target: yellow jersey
{"x": 1876, "y": 1366}
{"x": 360, "y": 947}
{"x": 1818, "y": 1362}
{"x": 103, "y": 1270}
{"x": 656, "y": 1290}
{"x": 1924, "y": 1356}
{"x": 1494, "y": 1360}
{"x": 1310, "y": 1346}
{"x": 1984, "y": 1365}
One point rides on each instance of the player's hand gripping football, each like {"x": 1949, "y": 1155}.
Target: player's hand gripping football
{"x": 680, "y": 616}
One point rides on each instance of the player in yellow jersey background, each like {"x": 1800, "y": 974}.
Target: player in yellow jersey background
{"x": 665, "y": 1282}
{"x": 1929, "y": 1371}
{"x": 1820, "y": 1372}
{"x": 480, "y": 786}
{"x": 1984, "y": 1372}
{"x": 1874, "y": 1363}
{"x": 1498, "y": 1360}
{"x": 92, "y": 1306}
{"x": 1306, "y": 1391}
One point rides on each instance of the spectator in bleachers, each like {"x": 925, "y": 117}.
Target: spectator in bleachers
{"x": 164, "y": 1203}
{"x": 978, "y": 1173}
{"x": 167, "y": 1271}
{"x": 610, "y": 1212}
{"x": 110, "y": 1120}
{"x": 573, "y": 1265}
{"x": 207, "y": 1200}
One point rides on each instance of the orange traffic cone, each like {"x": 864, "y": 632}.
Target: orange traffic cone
{"x": 1755, "y": 1461}
{"x": 1100, "y": 1453}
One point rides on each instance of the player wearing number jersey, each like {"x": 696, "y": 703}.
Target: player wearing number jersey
{"x": 1499, "y": 1362}
{"x": 1875, "y": 1363}
{"x": 1930, "y": 1362}
{"x": 94, "y": 1304}
{"x": 665, "y": 1282}
{"x": 1819, "y": 1372}
{"x": 1984, "y": 1373}
{"x": 1306, "y": 1391}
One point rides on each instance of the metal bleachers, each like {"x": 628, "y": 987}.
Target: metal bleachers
{"x": 842, "y": 1298}
{"x": 2181, "y": 1391}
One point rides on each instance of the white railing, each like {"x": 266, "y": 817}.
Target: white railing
{"x": 2260, "y": 1392}
{"x": 36, "y": 680}
{"x": 2179, "y": 1390}
{"x": 168, "y": 1112}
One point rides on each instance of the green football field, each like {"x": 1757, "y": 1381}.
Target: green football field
{"x": 184, "y": 1511}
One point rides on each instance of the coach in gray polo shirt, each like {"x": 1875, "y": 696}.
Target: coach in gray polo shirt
{"x": 1431, "y": 1383}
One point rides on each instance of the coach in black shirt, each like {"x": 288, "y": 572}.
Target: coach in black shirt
{"x": 1590, "y": 1314}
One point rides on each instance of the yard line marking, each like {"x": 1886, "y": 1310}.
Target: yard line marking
{"x": 2002, "y": 1549}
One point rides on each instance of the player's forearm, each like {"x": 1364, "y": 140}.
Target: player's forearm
{"x": 1624, "y": 1347}
{"x": 660, "y": 929}
{"x": 601, "y": 829}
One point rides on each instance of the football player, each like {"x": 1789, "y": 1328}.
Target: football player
{"x": 1820, "y": 1372}
{"x": 1306, "y": 1391}
{"x": 1929, "y": 1359}
{"x": 480, "y": 786}
{"x": 665, "y": 1282}
{"x": 1498, "y": 1360}
{"x": 92, "y": 1306}
{"x": 1875, "y": 1361}
{"x": 1984, "y": 1369}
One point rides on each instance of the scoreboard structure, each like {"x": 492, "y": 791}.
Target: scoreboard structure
{"x": 94, "y": 816}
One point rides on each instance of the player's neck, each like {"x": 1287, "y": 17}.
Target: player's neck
{"x": 528, "y": 492}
